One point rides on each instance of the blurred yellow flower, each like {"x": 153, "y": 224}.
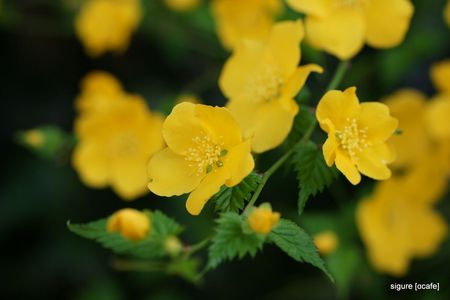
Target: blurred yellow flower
{"x": 413, "y": 142}
{"x": 440, "y": 76}
{"x": 437, "y": 117}
{"x": 341, "y": 27}
{"x": 357, "y": 135}
{"x": 34, "y": 138}
{"x": 205, "y": 151}
{"x": 262, "y": 219}
{"x": 182, "y": 5}
{"x": 397, "y": 223}
{"x": 115, "y": 145}
{"x": 99, "y": 91}
{"x": 447, "y": 13}
{"x": 130, "y": 223}
{"x": 261, "y": 79}
{"x": 107, "y": 25}
{"x": 238, "y": 20}
{"x": 326, "y": 242}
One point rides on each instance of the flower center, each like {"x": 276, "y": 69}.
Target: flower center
{"x": 125, "y": 144}
{"x": 352, "y": 139}
{"x": 266, "y": 85}
{"x": 205, "y": 154}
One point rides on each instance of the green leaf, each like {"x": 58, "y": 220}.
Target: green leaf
{"x": 185, "y": 268}
{"x": 232, "y": 199}
{"x": 293, "y": 240}
{"x": 231, "y": 240}
{"x": 152, "y": 246}
{"x": 313, "y": 173}
{"x": 302, "y": 122}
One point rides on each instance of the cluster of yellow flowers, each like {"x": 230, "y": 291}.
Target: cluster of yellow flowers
{"x": 198, "y": 148}
{"x": 117, "y": 134}
{"x": 397, "y": 222}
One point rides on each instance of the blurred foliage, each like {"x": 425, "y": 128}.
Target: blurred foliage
{"x": 173, "y": 53}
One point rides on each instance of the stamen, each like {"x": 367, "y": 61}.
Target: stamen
{"x": 266, "y": 85}
{"x": 352, "y": 139}
{"x": 205, "y": 154}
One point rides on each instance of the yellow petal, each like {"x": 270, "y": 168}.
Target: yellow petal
{"x": 181, "y": 127}
{"x": 284, "y": 45}
{"x": 129, "y": 177}
{"x": 341, "y": 33}
{"x": 91, "y": 163}
{"x": 274, "y": 121}
{"x": 338, "y": 106}
{"x": 240, "y": 67}
{"x": 311, "y": 7}
{"x": 430, "y": 230}
{"x": 240, "y": 162}
{"x": 243, "y": 111}
{"x": 347, "y": 167}
{"x": 408, "y": 106}
{"x": 437, "y": 117}
{"x": 440, "y": 74}
{"x": 297, "y": 80}
{"x": 376, "y": 118}
{"x": 387, "y": 22}
{"x": 372, "y": 161}
{"x": 170, "y": 174}
{"x": 330, "y": 146}
{"x": 220, "y": 123}
{"x": 206, "y": 189}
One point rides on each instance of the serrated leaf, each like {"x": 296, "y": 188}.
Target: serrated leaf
{"x": 313, "y": 174}
{"x": 152, "y": 246}
{"x": 302, "y": 122}
{"x": 294, "y": 241}
{"x": 232, "y": 199}
{"x": 230, "y": 240}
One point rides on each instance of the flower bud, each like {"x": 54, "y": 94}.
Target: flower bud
{"x": 326, "y": 242}
{"x": 130, "y": 223}
{"x": 262, "y": 219}
{"x": 172, "y": 245}
{"x": 34, "y": 138}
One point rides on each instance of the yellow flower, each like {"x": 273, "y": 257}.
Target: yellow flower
{"x": 238, "y": 20}
{"x": 34, "y": 138}
{"x": 205, "y": 151}
{"x": 326, "y": 242}
{"x": 413, "y": 142}
{"x": 115, "y": 145}
{"x": 182, "y": 5}
{"x": 130, "y": 223}
{"x": 262, "y": 219}
{"x": 357, "y": 135}
{"x": 261, "y": 79}
{"x": 447, "y": 13}
{"x": 440, "y": 76}
{"x": 341, "y": 27}
{"x": 99, "y": 91}
{"x": 107, "y": 25}
{"x": 397, "y": 224}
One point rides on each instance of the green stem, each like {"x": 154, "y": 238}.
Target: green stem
{"x": 131, "y": 265}
{"x": 338, "y": 75}
{"x": 334, "y": 83}
{"x": 197, "y": 247}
